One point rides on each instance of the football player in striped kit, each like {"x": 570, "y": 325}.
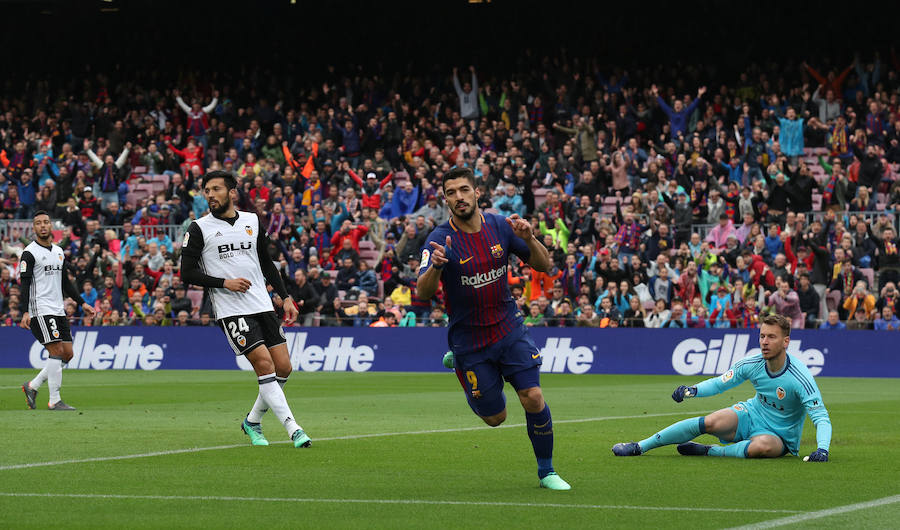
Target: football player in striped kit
{"x": 225, "y": 252}
{"x": 44, "y": 278}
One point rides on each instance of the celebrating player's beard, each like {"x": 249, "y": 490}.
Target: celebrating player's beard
{"x": 217, "y": 208}
{"x": 464, "y": 210}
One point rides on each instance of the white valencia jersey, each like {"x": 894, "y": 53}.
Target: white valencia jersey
{"x": 230, "y": 252}
{"x": 45, "y": 265}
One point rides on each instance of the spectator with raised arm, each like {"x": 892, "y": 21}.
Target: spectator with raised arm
{"x": 678, "y": 114}
{"x": 467, "y": 94}
{"x": 197, "y": 116}
{"x": 109, "y": 173}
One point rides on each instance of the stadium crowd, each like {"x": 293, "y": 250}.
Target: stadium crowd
{"x": 667, "y": 199}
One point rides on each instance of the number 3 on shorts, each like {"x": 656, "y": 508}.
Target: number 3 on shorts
{"x": 470, "y": 375}
{"x": 236, "y": 328}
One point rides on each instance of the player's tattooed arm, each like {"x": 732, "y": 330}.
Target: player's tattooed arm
{"x": 434, "y": 257}
{"x": 539, "y": 258}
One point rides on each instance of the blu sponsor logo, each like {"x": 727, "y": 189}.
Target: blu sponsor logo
{"x": 130, "y": 353}
{"x": 696, "y": 357}
{"x": 340, "y": 355}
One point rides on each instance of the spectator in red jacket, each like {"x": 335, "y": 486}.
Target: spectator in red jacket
{"x": 192, "y": 154}
{"x": 259, "y": 189}
{"x": 89, "y": 205}
{"x": 349, "y": 231}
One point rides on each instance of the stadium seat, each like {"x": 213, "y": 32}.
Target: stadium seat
{"x": 196, "y": 297}
{"x": 139, "y": 170}
{"x": 370, "y": 256}
{"x": 145, "y": 186}
{"x": 159, "y": 178}
{"x": 366, "y": 245}
{"x": 135, "y": 197}
{"x": 540, "y": 197}
{"x": 833, "y": 300}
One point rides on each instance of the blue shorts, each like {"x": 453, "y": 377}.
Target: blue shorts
{"x": 514, "y": 358}
{"x": 752, "y": 423}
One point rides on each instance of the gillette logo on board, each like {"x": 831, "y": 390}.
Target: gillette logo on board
{"x": 695, "y": 357}
{"x": 339, "y": 355}
{"x": 129, "y": 354}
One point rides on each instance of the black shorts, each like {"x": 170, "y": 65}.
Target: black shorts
{"x": 50, "y": 328}
{"x": 246, "y": 332}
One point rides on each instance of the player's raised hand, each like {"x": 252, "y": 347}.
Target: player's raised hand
{"x": 819, "y": 455}
{"x": 238, "y": 285}
{"x": 26, "y": 320}
{"x": 683, "y": 392}
{"x": 290, "y": 310}
{"x": 520, "y": 227}
{"x": 439, "y": 253}
{"x": 88, "y": 310}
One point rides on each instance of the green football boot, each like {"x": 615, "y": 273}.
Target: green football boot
{"x": 254, "y": 431}
{"x": 301, "y": 439}
{"x": 448, "y": 361}
{"x": 554, "y": 482}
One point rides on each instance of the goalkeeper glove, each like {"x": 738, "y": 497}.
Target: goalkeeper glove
{"x": 819, "y": 455}
{"x": 684, "y": 392}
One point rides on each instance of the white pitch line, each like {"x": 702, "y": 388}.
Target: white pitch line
{"x": 389, "y": 501}
{"x": 808, "y": 516}
{"x": 19, "y": 387}
{"x": 333, "y": 438}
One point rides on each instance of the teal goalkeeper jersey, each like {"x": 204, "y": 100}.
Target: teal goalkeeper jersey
{"x": 783, "y": 399}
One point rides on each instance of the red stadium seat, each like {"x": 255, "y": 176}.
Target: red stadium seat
{"x": 196, "y": 299}
{"x": 159, "y": 178}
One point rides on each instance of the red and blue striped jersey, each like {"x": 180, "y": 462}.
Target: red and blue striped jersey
{"x": 476, "y": 291}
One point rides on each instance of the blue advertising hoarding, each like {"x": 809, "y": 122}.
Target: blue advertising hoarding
{"x": 564, "y": 350}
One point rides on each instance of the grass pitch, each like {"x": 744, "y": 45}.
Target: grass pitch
{"x": 404, "y": 450}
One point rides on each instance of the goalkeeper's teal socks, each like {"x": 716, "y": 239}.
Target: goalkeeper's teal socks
{"x": 738, "y": 450}
{"x": 676, "y": 433}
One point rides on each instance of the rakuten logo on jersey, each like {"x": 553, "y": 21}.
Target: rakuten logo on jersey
{"x": 558, "y": 355}
{"x": 340, "y": 355}
{"x": 477, "y": 281}
{"x": 128, "y": 354}
{"x": 695, "y": 357}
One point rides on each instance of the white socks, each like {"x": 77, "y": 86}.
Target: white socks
{"x": 39, "y": 379}
{"x": 261, "y": 407}
{"x": 270, "y": 391}
{"x": 54, "y": 378}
